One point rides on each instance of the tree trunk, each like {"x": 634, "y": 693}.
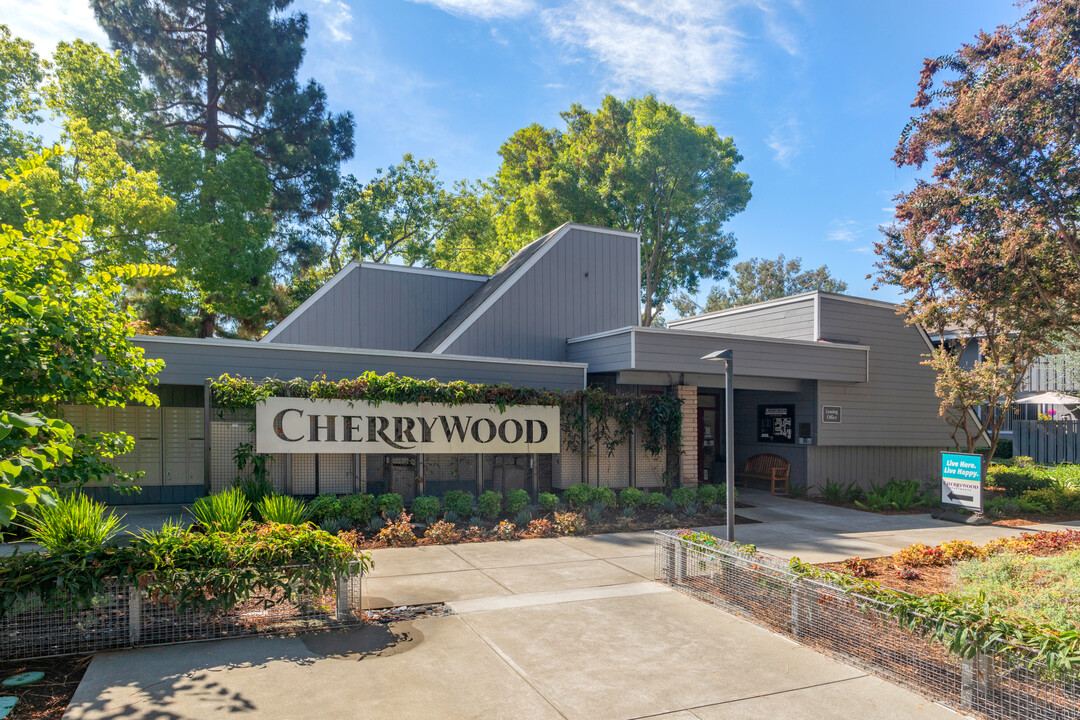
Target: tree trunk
{"x": 210, "y": 137}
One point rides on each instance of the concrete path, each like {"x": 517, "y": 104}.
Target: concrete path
{"x": 557, "y": 628}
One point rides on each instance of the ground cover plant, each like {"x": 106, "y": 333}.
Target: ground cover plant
{"x": 463, "y": 517}
{"x": 893, "y": 496}
{"x": 1029, "y": 584}
{"x": 965, "y": 618}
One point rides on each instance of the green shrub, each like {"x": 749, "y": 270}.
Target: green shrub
{"x": 631, "y": 497}
{"x": 255, "y": 488}
{"x": 708, "y": 495}
{"x": 283, "y": 509}
{"x": 1004, "y": 449}
{"x": 656, "y": 500}
{"x": 390, "y": 505}
{"x": 840, "y": 493}
{"x": 1054, "y": 498}
{"x": 75, "y": 524}
{"x": 334, "y": 525}
{"x": 358, "y": 509}
{"x": 516, "y": 500}
{"x": 222, "y": 512}
{"x": 548, "y": 501}
{"x": 578, "y": 496}
{"x": 325, "y": 507}
{"x": 426, "y": 508}
{"x": 893, "y": 495}
{"x": 603, "y": 496}
{"x": 489, "y": 504}
{"x": 682, "y": 495}
{"x": 459, "y": 502}
{"x": 1017, "y": 480}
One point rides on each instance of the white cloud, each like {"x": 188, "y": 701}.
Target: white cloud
{"x": 676, "y": 48}
{"x": 776, "y": 30}
{"x": 483, "y": 9}
{"x": 333, "y": 18}
{"x": 47, "y": 22}
{"x": 843, "y": 230}
{"x": 785, "y": 141}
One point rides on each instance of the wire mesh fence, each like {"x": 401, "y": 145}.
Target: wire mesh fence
{"x": 859, "y": 631}
{"x": 123, "y": 616}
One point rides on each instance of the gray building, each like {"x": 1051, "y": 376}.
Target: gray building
{"x": 831, "y": 383}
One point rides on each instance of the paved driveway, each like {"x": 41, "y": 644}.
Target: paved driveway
{"x": 560, "y": 628}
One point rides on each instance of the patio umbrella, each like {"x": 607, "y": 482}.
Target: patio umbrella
{"x": 1048, "y": 398}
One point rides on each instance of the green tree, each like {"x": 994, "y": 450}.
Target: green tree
{"x": 64, "y": 338}
{"x": 225, "y": 71}
{"x": 990, "y": 241}
{"x": 21, "y": 72}
{"x": 637, "y": 165}
{"x": 760, "y": 279}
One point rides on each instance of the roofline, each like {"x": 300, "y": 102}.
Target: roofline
{"x": 226, "y": 342}
{"x": 366, "y": 265}
{"x": 553, "y": 239}
{"x": 813, "y": 294}
{"x": 435, "y": 272}
{"x": 632, "y": 329}
{"x": 304, "y": 306}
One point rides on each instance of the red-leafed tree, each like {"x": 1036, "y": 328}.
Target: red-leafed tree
{"x": 989, "y": 244}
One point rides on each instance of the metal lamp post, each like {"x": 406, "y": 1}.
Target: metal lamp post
{"x": 729, "y": 433}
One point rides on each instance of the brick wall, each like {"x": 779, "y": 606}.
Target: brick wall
{"x": 688, "y": 470}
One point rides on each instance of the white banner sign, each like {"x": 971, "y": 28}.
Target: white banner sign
{"x": 297, "y": 425}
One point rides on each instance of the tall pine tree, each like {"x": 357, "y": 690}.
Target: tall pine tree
{"x": 225, "y": 72}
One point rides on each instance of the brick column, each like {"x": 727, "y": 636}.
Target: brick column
{"x": 688, "y": 471}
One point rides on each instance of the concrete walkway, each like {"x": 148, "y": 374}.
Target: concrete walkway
{"x": 557, "y": 628}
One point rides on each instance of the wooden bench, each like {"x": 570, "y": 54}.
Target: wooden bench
{"x": 769, "y": 467}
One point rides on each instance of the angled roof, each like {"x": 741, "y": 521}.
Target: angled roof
{"x": 467, "y": 312}
{"x": 356, "y": 266}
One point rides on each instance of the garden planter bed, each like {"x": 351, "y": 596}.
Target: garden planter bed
{"x": 613, "y": 524}
{"x": 122, "y": 616}
{"x": 49, "y": 698}
{"x": 860, "y": 630}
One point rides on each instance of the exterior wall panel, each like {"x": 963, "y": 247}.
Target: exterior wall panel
{"x": 872, "y": 465}
{"x": 792, "y": 320}
{"x": 585, "y": 283}
{"x": 378, "y": 308}
{"x": 898, "y": 405}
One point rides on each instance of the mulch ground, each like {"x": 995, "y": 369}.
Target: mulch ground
{"x": 48, "y": 699}
{"x": 645, "y": 520}
{"x": 933, "y": 579}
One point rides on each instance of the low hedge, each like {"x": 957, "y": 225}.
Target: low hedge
{"x": 211, "y": 572}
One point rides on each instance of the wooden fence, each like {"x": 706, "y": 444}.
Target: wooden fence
{"x": 1047, "y": 441}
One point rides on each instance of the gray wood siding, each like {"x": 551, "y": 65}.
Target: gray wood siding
{"x": 871, "y": 465}
{"x": 677, "y": 351}
{"x": 791, "y": 321}
{"x": 555, "y": 300}
{"x": 898, "y": 405}
{"x": 191, "y": 362}
{"x": 603, "y": 354}
{"x": 333, "y": 320}
{"x": 378, "y": 308}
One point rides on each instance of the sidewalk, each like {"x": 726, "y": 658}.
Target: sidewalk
{"x": 557, "y": 628}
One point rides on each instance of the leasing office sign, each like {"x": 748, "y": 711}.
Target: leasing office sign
{"x": 301, "y": 425}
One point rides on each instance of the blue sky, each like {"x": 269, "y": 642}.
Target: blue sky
{"x": 815, "y": 94}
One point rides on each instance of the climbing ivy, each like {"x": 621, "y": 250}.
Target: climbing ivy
{"x": 605, "y": 417}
